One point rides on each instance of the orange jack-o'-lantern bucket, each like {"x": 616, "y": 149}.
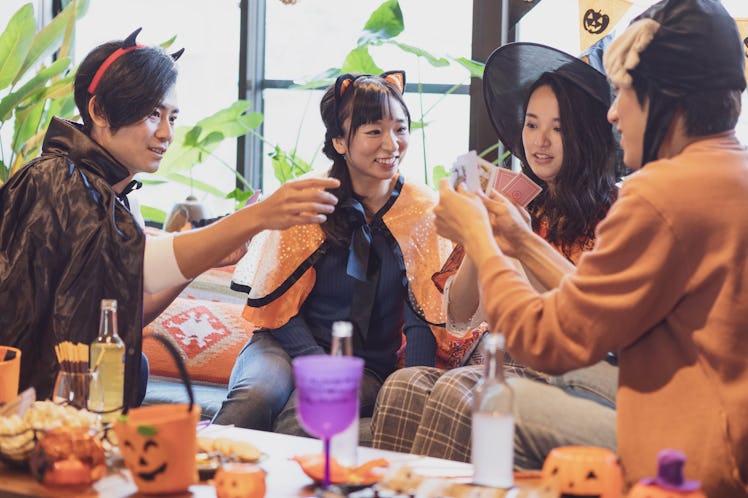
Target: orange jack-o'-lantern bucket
{"x": 584, "y": 471}
{"x": 159, "y": 443}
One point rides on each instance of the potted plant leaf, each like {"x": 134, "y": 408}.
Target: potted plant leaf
{"x": 35, "y": 81}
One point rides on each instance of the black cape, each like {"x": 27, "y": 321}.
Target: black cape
{"x": 66, "y": 242}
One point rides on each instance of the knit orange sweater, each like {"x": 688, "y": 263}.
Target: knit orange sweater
{"x": 666, "y": 287}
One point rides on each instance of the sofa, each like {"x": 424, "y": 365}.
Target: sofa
{"x": 206, "y": 324}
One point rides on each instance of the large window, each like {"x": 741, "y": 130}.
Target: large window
{"x": 300, "y": 40}
{"x": 292, "y": 43}
{"x": 324, "y": 32}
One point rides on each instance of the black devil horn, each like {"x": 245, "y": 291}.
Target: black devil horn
{"x": 130, "y": 40}
{"x": 176, "y": 55}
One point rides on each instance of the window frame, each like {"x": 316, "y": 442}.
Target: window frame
{"x": 487, "y": 15}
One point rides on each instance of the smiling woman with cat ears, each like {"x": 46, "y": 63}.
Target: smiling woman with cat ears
{"x": 369, "y": 264}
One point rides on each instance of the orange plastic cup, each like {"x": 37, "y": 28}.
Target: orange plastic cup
{"x": 10, "y": 370}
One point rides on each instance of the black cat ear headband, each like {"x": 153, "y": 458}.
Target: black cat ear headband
{"x": 397, "y": 78}
{"x": 128, "y": 45}
{"x": 344, "y": 81}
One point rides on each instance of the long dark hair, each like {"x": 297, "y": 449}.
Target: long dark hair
{"x": 130, "y": 89}
{"x": 365, "y": 100}
{"x": 584, "y": 188}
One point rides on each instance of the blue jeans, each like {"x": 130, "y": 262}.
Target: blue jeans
{"x": 577, "y": 408}
{"x": 144, "y": 373}
{"x": 260, "y": 385}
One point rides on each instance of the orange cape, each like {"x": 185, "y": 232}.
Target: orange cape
{"x": 278, "y": 270}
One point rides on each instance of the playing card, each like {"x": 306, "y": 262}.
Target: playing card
{"x": 521, "y": 190}
{"x": 457, "y": 174}
{"x": 503, "y": 177}
{"x": 486, "y": 172}
{"x": 465, "y": 170}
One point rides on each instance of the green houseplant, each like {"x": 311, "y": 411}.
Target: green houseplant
{"x": 384, "y": 27}
{"x": 193, "y": 144}
{"x": 31, "y": 89}
{"x": 49, "y": 93}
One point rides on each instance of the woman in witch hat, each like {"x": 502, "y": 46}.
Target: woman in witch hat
{"x": 549, "y": 109}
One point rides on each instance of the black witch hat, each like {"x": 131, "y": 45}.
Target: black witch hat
{"x": 510, "y": 72}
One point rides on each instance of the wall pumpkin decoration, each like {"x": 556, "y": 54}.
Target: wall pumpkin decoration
{"x": 669, "y": 482}
{"x": 595, "y": 22}
{"x": 240, "y": 480}
{"x": 584, "y": 471}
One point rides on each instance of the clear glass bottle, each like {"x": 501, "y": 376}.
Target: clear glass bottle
{"x": 107, "y": 363}
{"x": 493, "y": 420}
{"x": 344, "y": 446}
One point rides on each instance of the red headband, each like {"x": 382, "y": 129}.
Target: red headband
{"x": 108, "y": 62}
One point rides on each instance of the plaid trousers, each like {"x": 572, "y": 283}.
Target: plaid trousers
{"x": 428, "y": 411}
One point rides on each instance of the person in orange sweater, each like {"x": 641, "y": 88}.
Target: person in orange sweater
{"x": 664, "y": 286}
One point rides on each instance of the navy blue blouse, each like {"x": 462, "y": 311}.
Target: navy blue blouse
{"x": 330, "y": 300}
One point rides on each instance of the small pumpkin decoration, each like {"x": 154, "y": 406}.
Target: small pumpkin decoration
{"x": 669, "y": 482}
{"x": 240, "y": 480}
{"x": 584, "y": 471}
{"x": 67, "y": 456}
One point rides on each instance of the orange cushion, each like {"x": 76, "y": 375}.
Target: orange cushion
{"x": 207, "y": 327}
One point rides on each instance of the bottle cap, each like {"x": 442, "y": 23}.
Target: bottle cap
{"x": 109, "y": 304}
{"x": 342, "y": 329}
{"x": 495, "y": 341}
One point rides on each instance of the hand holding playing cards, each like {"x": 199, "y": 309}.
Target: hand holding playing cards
{"x": 460, "y": 214}
{"x": 511, "y": 224}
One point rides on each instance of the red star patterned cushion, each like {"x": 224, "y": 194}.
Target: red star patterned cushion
{"x": 205, "y": 322}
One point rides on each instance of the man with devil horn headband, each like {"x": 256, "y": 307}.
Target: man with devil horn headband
{"x": 664, "y": 287}
{"x": 68, "y": 238}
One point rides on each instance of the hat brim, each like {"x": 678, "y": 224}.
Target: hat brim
{"x": 510, "y": 72}
{"x": 685, "y": 486}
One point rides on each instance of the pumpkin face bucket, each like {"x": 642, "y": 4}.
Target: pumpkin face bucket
{"x": 583, "y": 471}
{"x": 158, "y": 444}
{"x": 150, "y": 453}
{"x": 240, "y": 480}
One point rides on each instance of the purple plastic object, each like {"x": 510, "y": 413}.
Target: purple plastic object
{"x": 327, "y": 395}
{"x": 670, "y": 473}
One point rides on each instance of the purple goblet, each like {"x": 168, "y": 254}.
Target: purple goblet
{"x": 327, "y": 395}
